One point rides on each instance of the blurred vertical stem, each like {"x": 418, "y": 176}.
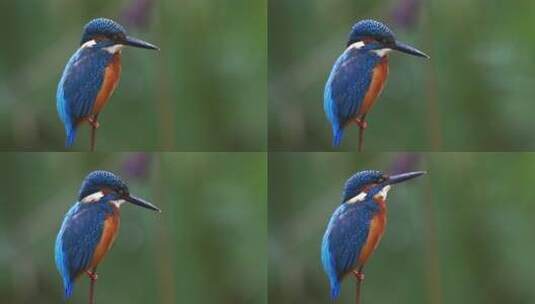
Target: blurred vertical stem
{"x": 164, "y": 243}
{"x": 165, "y": 108}
{"x": 431, "y": 248}
{"x": 433, "y": 112}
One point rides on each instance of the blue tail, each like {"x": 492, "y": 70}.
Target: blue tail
{"x": 69, "y": 286}
{"x": 328, "y": 265}
{"x": 338, "y": 134}
{"x": 335, "y": 289}
{"x": 71, "y": 136}
{"x": 59, "y": 256}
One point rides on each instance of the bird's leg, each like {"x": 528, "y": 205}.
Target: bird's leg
{"x": 362, "y": 124}
{"x": 93, "y": 121}
{"x": 359, "y": 276}
{"x": 92, "y": 274}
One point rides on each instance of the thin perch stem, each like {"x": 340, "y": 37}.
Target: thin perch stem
{"x": 361, "y": 138}
{"x": 93, "y": 134}
{"x": 93, "y": 122}
{"x": 362, "y": 124}
{"x": 359, "y": 276}
{"x": 93, "y": 278}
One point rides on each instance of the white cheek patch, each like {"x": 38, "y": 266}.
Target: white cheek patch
{"x": 118, "y": 203}
{"x": 357, "y": 199}
{"x": 356, "y": 45}
{"x": 89, "y": 43}
{"x": 383, "y": 193}
{"x": 382, "y": 52}
{"x": 114, "y": 48}
{"x": 94, "y": 197}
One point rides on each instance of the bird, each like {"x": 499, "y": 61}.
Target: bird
{"x": 358, "y": 76}
{"x": 357, "y": 225}
{"x": 92, "y": 74}
{"x": 91, "y": 225}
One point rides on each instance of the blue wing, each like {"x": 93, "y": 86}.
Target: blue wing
{"x": 79, "y": 86}
{"x": 76, "y": 242}
{"x": 346, "y": 87}
{"x": 344, "y": 238}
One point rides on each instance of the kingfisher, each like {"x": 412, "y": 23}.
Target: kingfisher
{"x": 92, "y": 74}
{"x": 90, "y": 227}
{"x": 359, "y": 75}
{"x": 357, "y": 225}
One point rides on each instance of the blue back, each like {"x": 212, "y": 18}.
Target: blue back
{"x": 346, "y": 87}
{"x": 77, "y": 239}
{"x": 344, "y": 238}
{"x": 79, "y": 86}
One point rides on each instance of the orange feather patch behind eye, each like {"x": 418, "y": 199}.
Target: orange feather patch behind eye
{"x": 99, "y": 38}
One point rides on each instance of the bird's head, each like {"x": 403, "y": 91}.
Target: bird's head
{"x": 377, "y": 37}
{"x": 110, "y": 35}
{"x": 98, "y": 184}
{"x": 372, "y": 182}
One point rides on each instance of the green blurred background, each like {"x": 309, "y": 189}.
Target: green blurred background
{"x": 475, "y": 94}
{"x": 207, "y": 246}
{"x": 206, "y": 90}
{"x": 461, "y": 234}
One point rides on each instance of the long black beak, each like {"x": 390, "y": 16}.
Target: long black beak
{"x": 394, "y": 179}
{"x": 407, "y": 49}
{"x": 131, "y": 41}
{"x": 141, "y": 202}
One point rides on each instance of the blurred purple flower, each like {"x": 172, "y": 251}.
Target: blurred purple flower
{"x": 406, "y": 12}
{"x": 405, "y": 162}
{"x": 137, "y": 165}
{"x": 137, "y": 13}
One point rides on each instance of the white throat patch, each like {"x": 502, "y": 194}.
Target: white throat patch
{"x": 93, "y": 197}
{"x": 118, "y": 203}
{"x": 383, "y": 193}
{"x": 116, "y": 48}
{"x": 358, "y": 198}
{"x": 382, "y": 52}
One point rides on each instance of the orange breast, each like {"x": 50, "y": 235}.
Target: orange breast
{"x": 377, "y": 228}
{"x": 109, "y": 233}
{"x": 379, "y": 74}
{"x": 112, "y": 73}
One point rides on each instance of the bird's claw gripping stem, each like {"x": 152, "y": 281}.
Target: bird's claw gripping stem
{"x": 92, "y": 275}
{"x": 359, "y": 275}
{"x": 363, "y": 124}
{"x": 93, "y": 122}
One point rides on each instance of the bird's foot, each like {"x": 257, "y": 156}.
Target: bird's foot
{"x": 361, "y": 123}
{"x": 93, "y": 122}
{"x": 92, "y": 275}
{"x": 359, "y": 275}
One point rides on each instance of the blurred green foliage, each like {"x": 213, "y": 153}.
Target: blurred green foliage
{"x": 206, "y": 90}
{"x": 207, "y": 246}
{"x": 473, "y": 95}
{"x": 460, "y": 234}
